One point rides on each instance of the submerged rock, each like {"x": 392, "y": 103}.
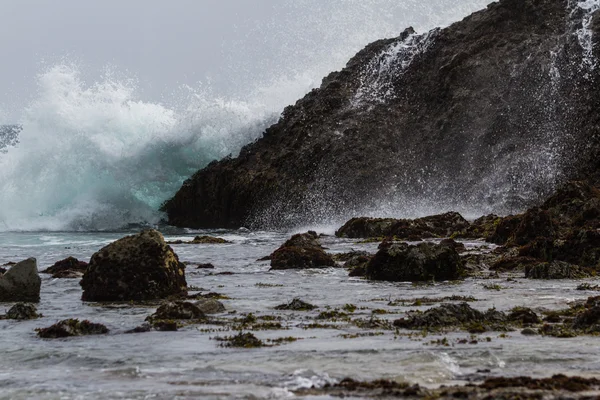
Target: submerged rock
{"x": 70, "y": 267}
{"x": 71, "y": 327}
{"x": 244, "y": 340}
{"x": 21, "y": 283}
{"x": 136, "y": 267}
{"x": 400, "y": 262}
{"x": 22, "y": 311}
{"x": 301, "y": 251}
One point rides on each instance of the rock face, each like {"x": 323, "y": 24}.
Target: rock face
{"x": 476, "y": 113}
{"x": 21, "y": 282}
{"x": 400, "y": 262}
{"x": 301, "y": 251}
{"x": 137, "y": 267}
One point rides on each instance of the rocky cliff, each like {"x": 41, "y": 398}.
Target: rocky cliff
{"x": 490, "y": 113}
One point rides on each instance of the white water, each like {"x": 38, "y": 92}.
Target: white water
{"x": 94, "y": 154}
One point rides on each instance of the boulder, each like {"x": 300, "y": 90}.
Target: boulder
{"x": 136, "y": 267}
{"x": 299, "y": 252}
{"x": 177, "y": 310}
{"x": 365, "y": 227}
{"x": 401, "y": 262}
{"x": 71, "y": 327}
{"x": 21, "y": 282}
{"x": 555, "y": 270}
{"x": 70, "y": 267}
{"x": 210, "y": 306}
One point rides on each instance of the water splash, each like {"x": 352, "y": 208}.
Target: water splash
{"x": 377, "y": 80}
{"x": 585, "y": 34}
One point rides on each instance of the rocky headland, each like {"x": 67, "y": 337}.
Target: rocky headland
{"x": 489, "y": 113}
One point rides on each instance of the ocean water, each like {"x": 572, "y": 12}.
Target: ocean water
{"x": 190, "y": 363}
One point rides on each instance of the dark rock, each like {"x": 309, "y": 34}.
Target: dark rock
{"x": 21, "y": 283}
{"x": 482, "y": 228}
{"x": 177, "y": 310}
{"x": 210, "y": 306}
{"x": 201, "y": 240}
{"x": 2, "y": 271}
{"x": 71, "y": 327}
{"x": 434, "y": 226}
{"x": 523, "y": 315}
{"x": 301, "y": 251}
{"x": 245, "y": 340}
{"x": 507, "y": 264}
{"x": 347, "y": 257}
{"x": 365, "y": 227}
{"x": 528, "y": 332}
{"x": 296, "y": 305}
{"x": 555, "y": 270}
{"x": 505, "y": 229}
{"x": 22, "y": 311}
{"x": 159, "y": 326}
{"x": 137, "y": 267}
{"x": 450, "y": 315}
{"x": 401, "y": 262}
{"x": 70, "y": 267}
{"x": 205, "y": 266}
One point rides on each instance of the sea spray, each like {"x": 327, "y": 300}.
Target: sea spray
{"x": 96, "y": 157}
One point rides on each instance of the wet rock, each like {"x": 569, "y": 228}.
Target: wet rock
{"x": 555, "y": 270}
{"x": 450, "y": 315}
{"x": 21, "y": 283}
{"x": 2, "y": 271}
{"x": 442, "y": 225}
{"x": 22, "y": 311}
{"x": 352, "y": 255}
{"x": 482, "y": 228}
{"x": 205, "y": 266}
{"x": 204, "y": 239}
{"x": 528, "y": 332}
{"x": 210, "y": 306}
{"x": 556, "y": 382}
{"x": 589, "y": 319}
{"x": 400, "y": 262}
{"x": 505, "y": 229}
{"x": 71, "y": 327}
{"x": 299, "y": 252}
{"x": 523, "y": 316}
{"x": 364, "y": 227}
{"x": 70, "y": 267}
{"x": 509, "y": 264}
{"x": 159, "y": 326}
{"x": 137, "y": 267}
{"x": 296, "y": 305}
{"x": 244, "y": 340}
{"x": 177, "y": 310}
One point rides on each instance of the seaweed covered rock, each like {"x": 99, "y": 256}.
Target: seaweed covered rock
{"x": 21, "y": 282}
{"x": 296, "y": 305}
{"x": 22, "y": 311}
{"x": 177, "y": 310}
{"x": 71, "y": 327}
{"x": 589, "y": 319}
{"x": 434, "y": 226}
{"x": 70, "y": 267}
{"x": 210, "y": 306}
{"x": 301, "y": 251}
{"x": 555, "y": 270}
{"x": 136, "y": 267}
{"x": 400, "y": 262}
{"x": 452, "y": 315}
{"x": 523, "y": 315}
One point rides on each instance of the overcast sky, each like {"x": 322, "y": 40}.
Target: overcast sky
{"x": 232, "y": 43}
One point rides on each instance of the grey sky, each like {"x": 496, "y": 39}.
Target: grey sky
{"x": 235, "y": 43}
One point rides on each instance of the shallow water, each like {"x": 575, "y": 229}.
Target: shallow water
{"x": 190, "y": 363}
